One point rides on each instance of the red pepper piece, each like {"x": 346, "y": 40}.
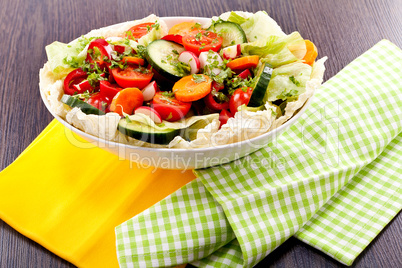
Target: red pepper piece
{"x": 210, "y": 101}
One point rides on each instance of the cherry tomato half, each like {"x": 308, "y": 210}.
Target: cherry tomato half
{"x": 177, "y": 38}
{"x": 199, "y": 41}
{"x": 138, "y": 31}
{"x": 73, "y": 78}
{"x": 132, "y": 76}
{"x": 170, "y": 108}
{"x": 100, "y": 101}
{"x": 240, "y": 96}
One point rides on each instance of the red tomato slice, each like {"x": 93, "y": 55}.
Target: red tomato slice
{"x": 240, "y": 96}
{"x": 177, "y": 38}
{"x": 74, "y": 78}
{"x": 170, "y": 108}
{"x": 198, "y": 41}
{"x": 132, "y": 76}
{"x": 138, "y": 31}
{"x": 100, "y": 101}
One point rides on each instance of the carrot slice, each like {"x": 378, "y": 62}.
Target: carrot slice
{"x": 311, "y": 53}
{"x": 134, "y": 60}
{"x": 183, "y": 28}
{"x": 126, "y": 101}
{"x": 189, "y": 89}
{"x": 243, "y": 63}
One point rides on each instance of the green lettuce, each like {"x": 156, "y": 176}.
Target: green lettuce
{"x": 233, "y": 17}
{"x": 260, "y": 26}
{"x": 277, "y": 50}
{"x": 60, "y": 54}
{"x": 288, "y": 81}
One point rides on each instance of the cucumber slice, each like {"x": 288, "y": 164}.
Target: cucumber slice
{"x": 263, "y": 77}
{"x": 85, "y": 107}
{"x": 147, "y": 133}
{"x": 158, "y": 54}
{"x": 231, "y": 32}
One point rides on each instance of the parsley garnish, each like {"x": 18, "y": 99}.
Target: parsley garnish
{"x": 198, "y": 78}
{"x": 168, "y": 94}
{"x": 294, "y": 81}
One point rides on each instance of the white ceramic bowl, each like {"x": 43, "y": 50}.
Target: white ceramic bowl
{"x": 182, "y": 158}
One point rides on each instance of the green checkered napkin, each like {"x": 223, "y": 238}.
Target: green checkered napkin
{"x": 332, "y": 180}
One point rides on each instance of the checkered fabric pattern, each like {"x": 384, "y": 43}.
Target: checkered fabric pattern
{"x": 332, "y": 179}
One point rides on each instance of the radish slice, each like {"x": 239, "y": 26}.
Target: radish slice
{"x": 231, "y": 52}
{"x": 148, "y": 111}
{"x": 191, "y": 59}
{"x": 149, "y": 91}
{"x": 209, "y": 57}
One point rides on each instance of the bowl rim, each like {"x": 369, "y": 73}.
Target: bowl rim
{"x": 238, "y": 144}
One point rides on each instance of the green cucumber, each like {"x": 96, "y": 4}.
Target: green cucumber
{"x": 147, "y": 133}
{"x": 231, "y": 32}
{"x": 263, "y": 77}
{"x": 85, "y": 107}
{"x": 159, "y": 54}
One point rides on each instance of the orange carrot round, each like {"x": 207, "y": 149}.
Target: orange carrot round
{"x": 311, "y": 53}
{"x": 243, "y": 63}
{"x": 127, "y": 100}
{"x": 192, "y": 87}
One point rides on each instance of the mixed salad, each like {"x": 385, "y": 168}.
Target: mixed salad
{"x": 238, "y": 75}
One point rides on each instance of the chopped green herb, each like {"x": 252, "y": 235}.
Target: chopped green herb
{"x": 198, "y": 78}
{"x": 168, "y": 94}
{"x": 294, "y": 81}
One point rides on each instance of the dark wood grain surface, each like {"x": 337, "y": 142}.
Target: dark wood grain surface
{"x": 342, "y": 30}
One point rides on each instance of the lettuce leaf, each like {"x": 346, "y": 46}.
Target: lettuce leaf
{"x": 57, "y": 52}
{"x": 288, "y": 81}
{"x": 233, "y": 17}
{"x": 260, "y": 26}
{"x": 277, "y": 50}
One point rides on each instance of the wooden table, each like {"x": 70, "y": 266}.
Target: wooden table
{"x": 341, "y": 29}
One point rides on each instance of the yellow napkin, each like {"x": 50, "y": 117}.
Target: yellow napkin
{"x": 68, "y": 195}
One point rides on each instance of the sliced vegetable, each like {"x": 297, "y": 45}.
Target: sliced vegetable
{"x": 177, "y": 38}
{"x": 148, "y": 111}
{"x": 245, "y": 74}
{"x": 138, "y": 31}
{"x": 231, "y": 33}
{"x": 216, "y": 100}
{"x": 100, "y": 102}
{"x": 261, "y": 86}
{"x": 149, "y": 91}
{"x": 75, "y": 77}
{"x": 85, "y": 107}
{"x": 147, "y": 133}
{"x": 169, "y": 108}
{"x": 183, "y": 28}
{"x": 109, "y": 90}
{"x": 192, "y": 87}
{"x": 311, "y": 53}
{"x": 133, "y": 60}
{"x": 126, "y": 101}
{"x": 231, "y": 52}
{"x": 243, "y": 63}
{"x": 191, "y": 59}
{"x": 99, "y": 50}
{"x": 210, "y": 61}
{"x": 132, "y": 76}
{"x": 199, "y": 41}
{"x": 224, "y": 116}
{"x": 240, "y": 96}
{"x": 162, "y": 56}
